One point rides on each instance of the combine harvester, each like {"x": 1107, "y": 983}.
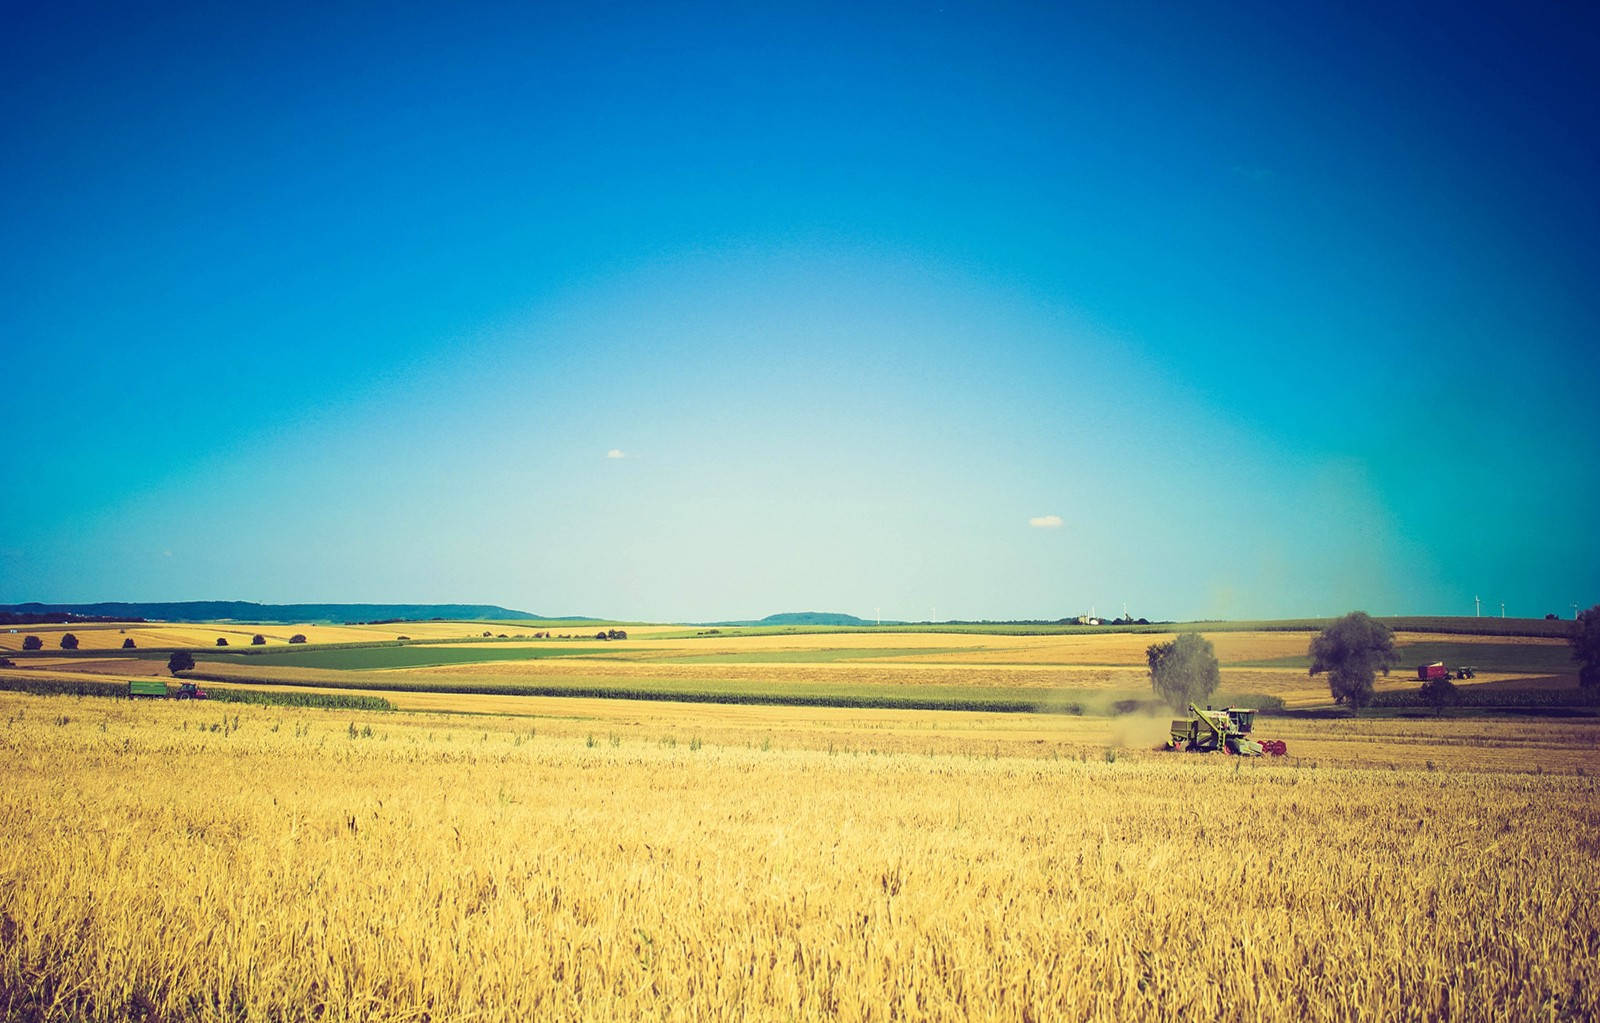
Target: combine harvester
{"x": 1224, "y": 731}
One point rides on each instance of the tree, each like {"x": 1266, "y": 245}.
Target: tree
{"x": 69, "y": 641}
{"x": 1352, "y": 651}
{"x": 127, "y": 644}
{"x": 1184, "y": 670}
{"x": 258, "y": 640}
{"x": 297, "y": 638}
{"x": 1440, "y": 693}
{"x": 1585, "y": 640}
{"x": 181, "y": 660}
{"x": 32, "y": 643}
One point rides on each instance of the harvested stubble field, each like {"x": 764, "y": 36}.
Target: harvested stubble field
{"x": 976, "y": 648}
{"x": 147, "y": 635}
{"x": 617, "y": 861}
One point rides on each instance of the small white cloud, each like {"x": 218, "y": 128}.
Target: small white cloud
{"x": 1045, "y": 522}
{"x": 166, "y": 554}
{"x": 615, "y": 453}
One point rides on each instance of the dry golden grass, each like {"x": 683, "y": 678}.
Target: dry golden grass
{"x": 176, "y": 861}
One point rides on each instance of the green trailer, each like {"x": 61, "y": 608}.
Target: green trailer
{"x": 147, "y": 687}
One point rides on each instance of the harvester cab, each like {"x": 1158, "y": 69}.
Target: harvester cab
{"x": 1225, "y": 731}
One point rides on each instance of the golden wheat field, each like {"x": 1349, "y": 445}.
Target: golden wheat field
{"x": 604, "y": 860}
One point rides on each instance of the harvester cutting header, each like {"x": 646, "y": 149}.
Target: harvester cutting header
{"x": 1222, "y": 731}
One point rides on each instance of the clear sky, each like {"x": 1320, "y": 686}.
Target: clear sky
{"x": 695, "y": 312}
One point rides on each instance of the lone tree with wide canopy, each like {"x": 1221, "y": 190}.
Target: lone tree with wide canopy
{"x": 1183, "y": 670}
{"x": 1585, "y": 641}
{"x": 1352, "y": 651}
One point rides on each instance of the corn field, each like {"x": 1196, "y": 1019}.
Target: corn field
{"x": 165, "y": 862}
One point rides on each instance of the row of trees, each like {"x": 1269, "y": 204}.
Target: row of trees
{"x": 1351, "y": 652}
{"x": 70, "y": 642}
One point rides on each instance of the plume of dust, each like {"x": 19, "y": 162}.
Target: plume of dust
{"x": 1144, "y": 730}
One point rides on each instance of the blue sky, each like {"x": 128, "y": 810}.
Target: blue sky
{"x": 1281, "y": 311}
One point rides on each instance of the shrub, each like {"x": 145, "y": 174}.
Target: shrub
{"x": 127, "y": 644}
{"x": 1439, "y": 693}
{"x": 69, "y": 641}
{"x": 258, "y": 640}
{"x": 181, "y": 660}
{"x": 222, "y": 641}
{"x": 1585, "y": 639}
{"x": 298, "y": 637}
{"x": 32, "y": 643}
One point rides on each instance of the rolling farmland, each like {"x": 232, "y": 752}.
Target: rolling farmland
{"x": 480, "y": 852}
{"x": 862, "y": 667}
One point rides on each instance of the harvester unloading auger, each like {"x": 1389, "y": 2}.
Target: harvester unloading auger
{"x": 1226, "y": 731}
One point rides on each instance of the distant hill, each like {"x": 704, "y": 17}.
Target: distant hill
{"x": 246, "y": 611}
{"x": 806, "y": 618}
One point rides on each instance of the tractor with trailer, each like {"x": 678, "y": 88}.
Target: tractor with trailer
{"x": 1222, "y": 731}
{"x": 158, "y": 689}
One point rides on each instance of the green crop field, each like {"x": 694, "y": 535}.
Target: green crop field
{"x": 46, "y": 686}
{"x": 1064, "y": 700}
{"x": 414, "y": 655}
